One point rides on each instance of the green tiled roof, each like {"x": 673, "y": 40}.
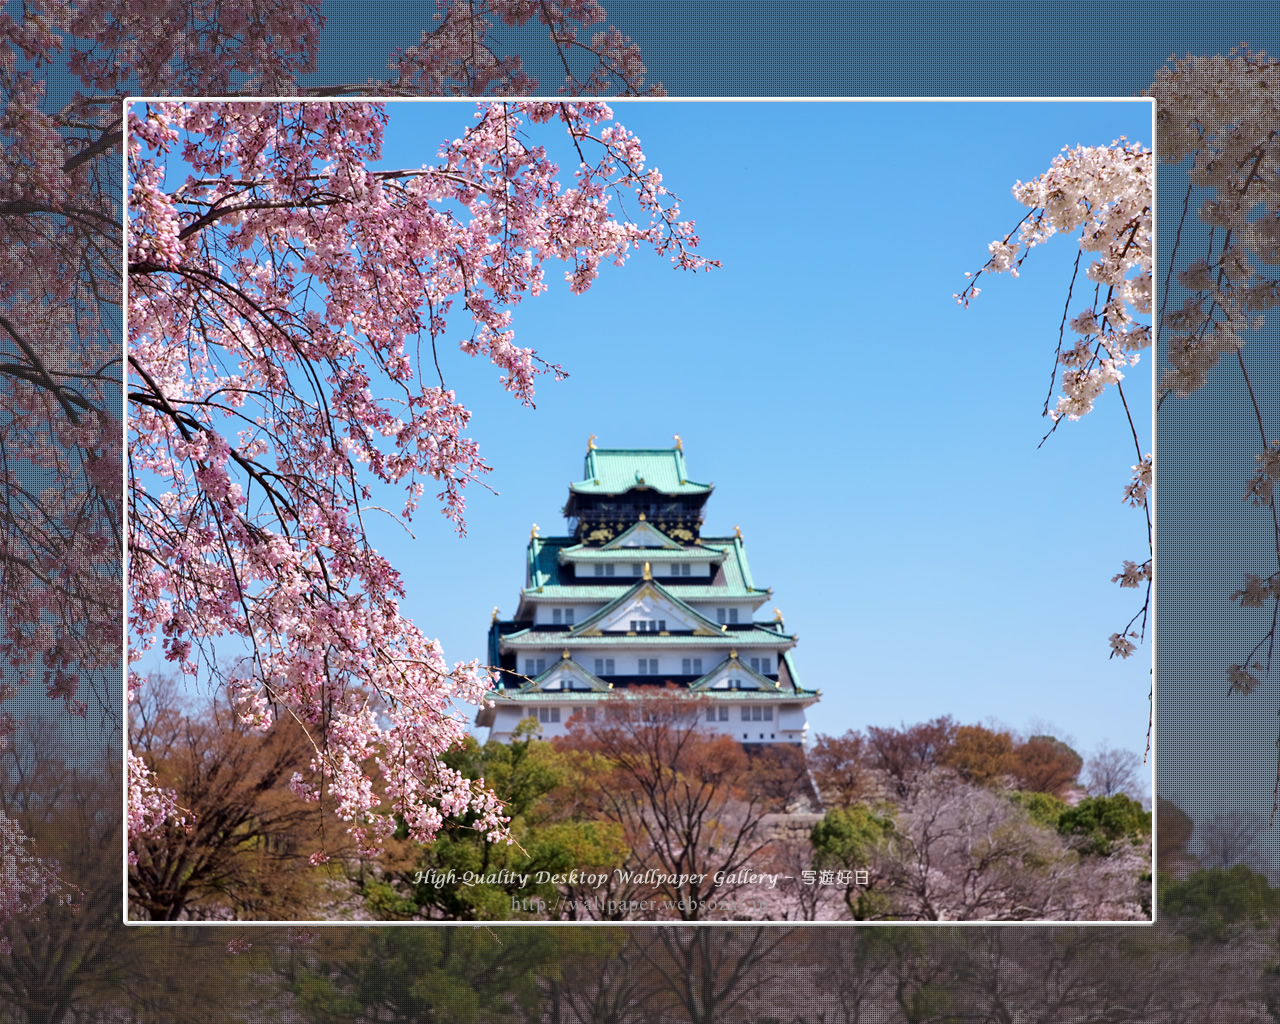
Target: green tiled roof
{"x": 544, "y": 555}
{"x": 615, "y": 470}
{"x": 693, "y": 553}
{"x": 759, "y": 637}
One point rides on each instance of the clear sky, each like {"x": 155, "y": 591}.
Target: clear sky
{"x": 876, "y": 443}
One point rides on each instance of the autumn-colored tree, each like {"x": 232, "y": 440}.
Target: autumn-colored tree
{"x": 980, "y": 755}
{"x": 690, "y": 804}
{"x": 906, "y": 755}
{"x": 1044, "y": 764}
{"x": 243, "y": 850}
{"x": 842, "y": 769}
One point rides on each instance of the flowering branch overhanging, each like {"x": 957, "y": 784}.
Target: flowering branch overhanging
{"x": 1107, "y": 193}
{"x": 276, "y": 296}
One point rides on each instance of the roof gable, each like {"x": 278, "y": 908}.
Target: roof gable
{"x": 647, "y": 601}
{"x": 565, "y": 674}
{"x": 732, "y": 674}
{"x": 641, "y": 535}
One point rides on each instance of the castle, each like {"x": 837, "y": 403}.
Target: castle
{"x": 636, "y": 596}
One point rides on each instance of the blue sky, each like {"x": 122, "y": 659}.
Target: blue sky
{"x": 876, "y": 443}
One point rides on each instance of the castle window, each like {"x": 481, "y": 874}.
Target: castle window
{"x": 724, "y": 714}
{"x": 720, "y": 616}
{"x": 535, "y": 668}
{"x": 691, "y": 666}
{"x": 548, "y": 714}
{"x": 555, "y": 616}
{"x": 761, "y": 665}
{"x": 568, "y": 616}
{"x": 648, "y": 666}
{"x": 635, "y": 568}
{"x": 733, "y": 614}
{"x": 604, "y": 666}
{"x": 604, "y": 570}
{"x": 768, "y": 714}
{"x": 711, "y": 714}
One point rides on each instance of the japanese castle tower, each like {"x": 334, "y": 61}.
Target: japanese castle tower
{"x": 638, "y": 597}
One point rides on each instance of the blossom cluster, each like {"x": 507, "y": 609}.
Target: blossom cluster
{"x": 26, "y": 880}
{"x": 1218, "y": 115}
{"x": 287, "y": 309}
{"x": 1106, "y": 194}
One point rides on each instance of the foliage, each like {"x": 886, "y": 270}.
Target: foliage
{"x": 1097, "y": 822}
{"x": 425, "y": 974}
{"x": 1044, "y": 764}
{"x": 1212, "y": 904}
{"x": 1044, "y": 809}
{"x": 904, "y": 756}
{"x": 841, "y": 768}
{"x": 524, "y": 773}
{"x": 854, "y": 839}
{"x": 982, "y": 756}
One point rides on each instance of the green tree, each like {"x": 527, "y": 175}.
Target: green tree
{"x": 851, "y": 839}
{"x": 1098, "y": 821}
{"x": 1213, "y": 905}
{"x": 523, "y": 773}
{"x": 1044, "y": 809}
{"x": 425, "y": 975}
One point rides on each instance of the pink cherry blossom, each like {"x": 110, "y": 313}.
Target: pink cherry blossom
{"x": 287, "y": 308}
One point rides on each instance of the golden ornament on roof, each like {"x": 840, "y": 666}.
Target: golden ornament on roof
{"x": 647, "y": 574}
{"x": 737, "y": 532}
{"x": 733, "y": 652}
{"x": 642, "y": 517}
{"x": 565, "y": 654}
{"x": 534, "y": 532}
{"x": 591, "y": 442}
{"x": 495, "y": 614}
{"x": 777, "y": 615}
{"x": 679, "y": 444}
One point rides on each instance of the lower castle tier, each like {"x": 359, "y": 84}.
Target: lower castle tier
{"x": 637, "y": 597}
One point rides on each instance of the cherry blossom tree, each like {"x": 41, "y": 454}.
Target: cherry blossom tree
{"x": 287, "y": 311}
{"x": 1226, "y": 137}
{"x": 1107, "y": 194}
{"x": 61, "y": 537}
